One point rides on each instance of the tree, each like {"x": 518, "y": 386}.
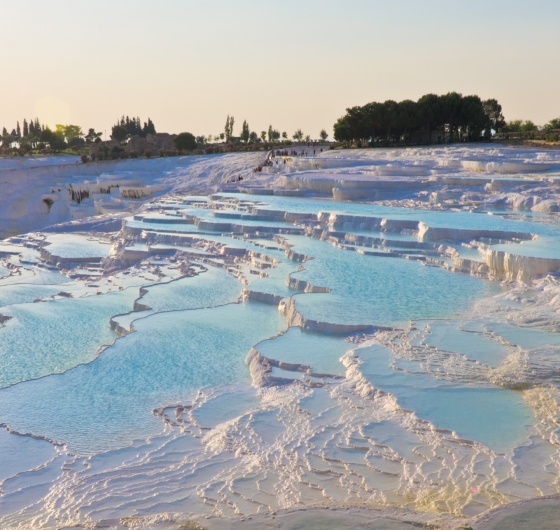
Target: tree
{"x": 493, "y": 111}
{"x": 275, "y": 135}
{"x": 18, "y": 131}
{"x": 245, "y": 132}
{"x": 201, "y": 140}
{"x": 7, "y": 138}
{"x": 25, "y": 127}
{"x": 371, "y": 123}
{"x": 55, "y": 139}
{"x": 148, "y": 128}
{"x": 298, "y": 135}
{"x": 528, "y": 126}
{"x": 474, "y": 120}
{"x": 70, "y": 132}
{"x": 342, "y": 132}
{"x": 324, "y": 135}
{"x": 429, "y": 107}
{"x": 408, "y": 118}
{"x": 451, "y": 107}
{"x": 185, "y": 142}
{"x": 254, "y": 137}
{"x": 458, "y": 116}
{"x": 284, "y": 135}
{"x": 93, "y": 137}
{"x": 119, "y": 133}
{"x": 270, "y": 134}
{"x": 552, "y": 124}
{"x": 228, "y": 129}
{"x": 512, "y": 126}
{"x": 263, "y": 136}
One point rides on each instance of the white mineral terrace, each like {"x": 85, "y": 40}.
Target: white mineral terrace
{"x": 367, "y": 332}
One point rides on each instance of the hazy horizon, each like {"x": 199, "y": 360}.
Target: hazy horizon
{"x": 188, "y": 65}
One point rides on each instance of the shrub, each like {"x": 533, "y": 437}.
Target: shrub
{"x": 93, "y": 156}
{"x": 185, "y": 142}
{"x": 123, "y": 155}
{"x": 133, "y": 154}
{"x": 114, "y": 155}
{"x": 162, "y": 152}
{"x": 148, "y": 153}
{"x": 84, "y": 159}
{"x": 209, "y": 150}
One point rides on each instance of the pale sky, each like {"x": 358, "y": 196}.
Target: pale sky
{"x": 292, "y": 64}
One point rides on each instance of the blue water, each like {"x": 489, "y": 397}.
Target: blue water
{"x": 192, "y": 344}
{"x": 50, "y": 337}
{"x": 495, "y": 417}
{"x": 375, "y": 290}
{"x": 108, "y": 403}
{"x": 321, "y": 352}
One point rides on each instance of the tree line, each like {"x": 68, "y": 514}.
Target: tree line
{"x": 127, "y": 127}
{"x": 247, "y": 136}
{"x": 34, "y": 135}
{"x": 450, "y": 117}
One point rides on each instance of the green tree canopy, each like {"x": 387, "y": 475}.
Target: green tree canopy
{"x": 185, "y": 141}
{"x": 455, "y": 117}
{"x": 228, "y": 129}
{"x": 553, "y": 124}
{"x": 55, "y": 139}
{"x": 69, "y": 131}
{"x": 298, "y": 135}
{"x": 245, "y": 132}
{"x": 119, "y": 133}
{"x": 92, "y": 136}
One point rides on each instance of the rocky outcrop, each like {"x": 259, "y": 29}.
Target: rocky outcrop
{"x": 256, "y": 296}
{"x": 154, "y": 142}
{"x": 514, "y": 267}
{"x": 109, "y": 144}
{"x": 296, "y": 319}
{"x": 306, "y": 287}
{"x": 430, "y": 233}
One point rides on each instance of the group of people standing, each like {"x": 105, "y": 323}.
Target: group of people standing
{"x": 284, "y": 153}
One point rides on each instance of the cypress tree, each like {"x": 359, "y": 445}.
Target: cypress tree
{"x": 31, "y": 128}
{"x": 25, "y": 127}
{"x": 245, "y": 131}
{"x": 151, "y": 127}
{"x": 18, "y": 130}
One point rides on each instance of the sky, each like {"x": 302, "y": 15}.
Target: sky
{"x": 293, "y": 64}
